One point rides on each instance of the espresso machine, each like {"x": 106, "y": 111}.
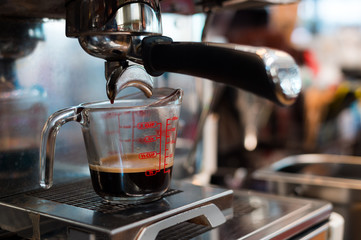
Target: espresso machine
{"x": 129, "y": 33}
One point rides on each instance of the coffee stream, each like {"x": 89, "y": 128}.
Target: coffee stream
{"x": 127, "y": 177}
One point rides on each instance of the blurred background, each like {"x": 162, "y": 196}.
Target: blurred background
{"x": 324, "y": 38}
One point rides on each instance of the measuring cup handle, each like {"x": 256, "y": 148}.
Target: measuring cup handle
{"x": 48, "y": 137}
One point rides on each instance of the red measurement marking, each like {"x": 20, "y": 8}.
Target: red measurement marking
{"x": 150, "y": 138}
{"x": 133, "y": 123}
{"x": 165, "y": 166}
{"x": 151, "y": 172}
{"x": 146, "y": 125}
{"x": 147, "y": 155}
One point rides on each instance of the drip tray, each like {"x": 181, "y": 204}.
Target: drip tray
{"x": 76, "y": 206}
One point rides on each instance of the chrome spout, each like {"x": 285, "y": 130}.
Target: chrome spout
{"x": 121, "y": 75}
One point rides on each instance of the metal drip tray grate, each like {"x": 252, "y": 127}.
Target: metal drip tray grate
{"x": 81, "y": 194}
{"x": 184, "y": 211}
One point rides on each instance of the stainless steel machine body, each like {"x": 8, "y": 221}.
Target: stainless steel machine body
{"x": 73, "y": 211}
{"x": 321, "y": 176}
{"x": 122, "y": 31}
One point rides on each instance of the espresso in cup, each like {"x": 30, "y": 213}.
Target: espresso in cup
{"x": 129, "y": 177}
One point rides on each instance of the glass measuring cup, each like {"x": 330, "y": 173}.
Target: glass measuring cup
{"x": 130, "y": 144}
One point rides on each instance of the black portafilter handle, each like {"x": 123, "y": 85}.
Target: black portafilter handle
{"x": 269, "y": 73}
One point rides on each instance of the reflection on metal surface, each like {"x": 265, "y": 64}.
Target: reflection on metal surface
{"x": 332, "y": 178}
{"x": 321, "y": 170}
{"x": 269, "y": 216}
{"x": 128, "y": 76}
{"x": 282, "y": 71}
{"x": 210, "y": 212}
